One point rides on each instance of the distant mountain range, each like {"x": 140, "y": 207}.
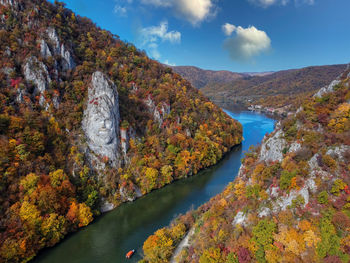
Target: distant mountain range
{"x": 230, "y": 89}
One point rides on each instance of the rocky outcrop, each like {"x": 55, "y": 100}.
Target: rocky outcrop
{"x": 101, "y": 118}
{"x": 339, "y": 152}
{"x": 159, "y": 112}
{"x": 240, "y": 219}
{"x": 106, "y": 206}
{"x": 58, "y": 49}
{"x": 331, "y": 86}
{"x": 20, "y": 96}
{"x": 8, "y": 52}
{"x": 36, "y": 72}
{"x": 294, "y": 147}
{"x": 7, "y": 71}
{"x": 327, "y": 89}
{"x": 12, "y": 3}
{"x": 53, "y": 38}
{"x": 129, "y": 195}
{"x": 124, "y": 140}
{"x": 44, "y": 49}
{"x": 285, "y": 201}
{"x": 68, "y": 62}
{"x": 272, "y": 149}
{"x": 56, "y": 101}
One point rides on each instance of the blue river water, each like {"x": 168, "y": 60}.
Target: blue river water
{"x": 125, "y": 228}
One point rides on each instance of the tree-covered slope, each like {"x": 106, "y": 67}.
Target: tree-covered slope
{"x": 200, "y": 78}
{"x": 87, "y": 122}
{"x": 290, "y": 201}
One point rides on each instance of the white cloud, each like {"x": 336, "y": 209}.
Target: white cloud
{"x": 194, "y": 11}
{"x": 247, "y": 43}
{"x": 267, "y": 3}
{"x": 151, "y": 36}
{"x": 159, "y": 3}
{"x": 119, "y": 10}
{"x": 307, "y": 2}
{"x": 121, "y": 7}
{"x": 228, "y": 29}
{"x": 154, "y": 33}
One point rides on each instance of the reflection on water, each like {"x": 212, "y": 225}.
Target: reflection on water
{"x": 113, "y": 234}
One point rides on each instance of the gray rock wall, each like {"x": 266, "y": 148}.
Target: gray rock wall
{"x": 36, "y": 72}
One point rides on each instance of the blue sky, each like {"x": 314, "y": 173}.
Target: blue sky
{"x": 260, "y": 35}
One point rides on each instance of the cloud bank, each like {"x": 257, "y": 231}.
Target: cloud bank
{"x": 246, "y": 43}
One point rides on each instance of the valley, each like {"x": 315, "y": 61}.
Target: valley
{"x": 279, "y": 90}
{"x": 115, "y": 233}
{"x": 108, "y": 150}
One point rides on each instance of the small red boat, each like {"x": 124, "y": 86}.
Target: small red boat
{"x": 130, "y": 253}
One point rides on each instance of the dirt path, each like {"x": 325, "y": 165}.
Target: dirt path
{"x": 183, "y": 244}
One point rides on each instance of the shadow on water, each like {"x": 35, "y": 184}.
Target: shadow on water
{"x": 127, "y": 227}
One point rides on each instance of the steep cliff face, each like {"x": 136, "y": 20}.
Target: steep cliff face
{"x": 101, "y": 119}
{"x": 272, "y": 148}
{"x": 88, "y": 122}
{"x": 290, "y": 201}
{"x": 57, "y": 48}
{"x": 36, "y": 72}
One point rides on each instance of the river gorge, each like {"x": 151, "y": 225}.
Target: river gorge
{"x": 125, "y": 228}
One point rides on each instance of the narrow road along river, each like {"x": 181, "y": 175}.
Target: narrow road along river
{"x": 115, "y": 233}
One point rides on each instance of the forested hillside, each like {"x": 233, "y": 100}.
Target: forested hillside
{"x": 200, "y": 78}
{"x": 276, "y": 89}
{"x": 87, "y": 122}
{"x": 290, "y": 201}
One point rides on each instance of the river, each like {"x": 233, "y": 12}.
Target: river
{"x": 125, "y": 228}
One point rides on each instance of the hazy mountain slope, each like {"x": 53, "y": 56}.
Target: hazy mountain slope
{"x": 274, "y": 89}
{"x": 290, "y": 201}
{"x": 88, "y": 122}
{"x": 200, "y": 78}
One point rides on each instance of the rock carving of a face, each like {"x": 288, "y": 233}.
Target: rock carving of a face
{"x": 101, "y": 117}
{"x": 103, "y": 125}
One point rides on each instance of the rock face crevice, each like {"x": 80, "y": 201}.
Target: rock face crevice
{"x": 101, "y": 119}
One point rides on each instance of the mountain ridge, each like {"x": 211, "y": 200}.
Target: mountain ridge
{"x": 276, "y": 89}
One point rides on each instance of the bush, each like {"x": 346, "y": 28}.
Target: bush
{"x": 329, "y": 162}
{"x": 4, "y": 123}
{"x": 330, "y": 242}
{"x": 286, "y": 178}
{"x": 303, "y": 154}
{"x": 338, "y": 186}
{"x": 323, "y": 197}
{"x": 298, "y": 201}
{"x": 263, "y": 237}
